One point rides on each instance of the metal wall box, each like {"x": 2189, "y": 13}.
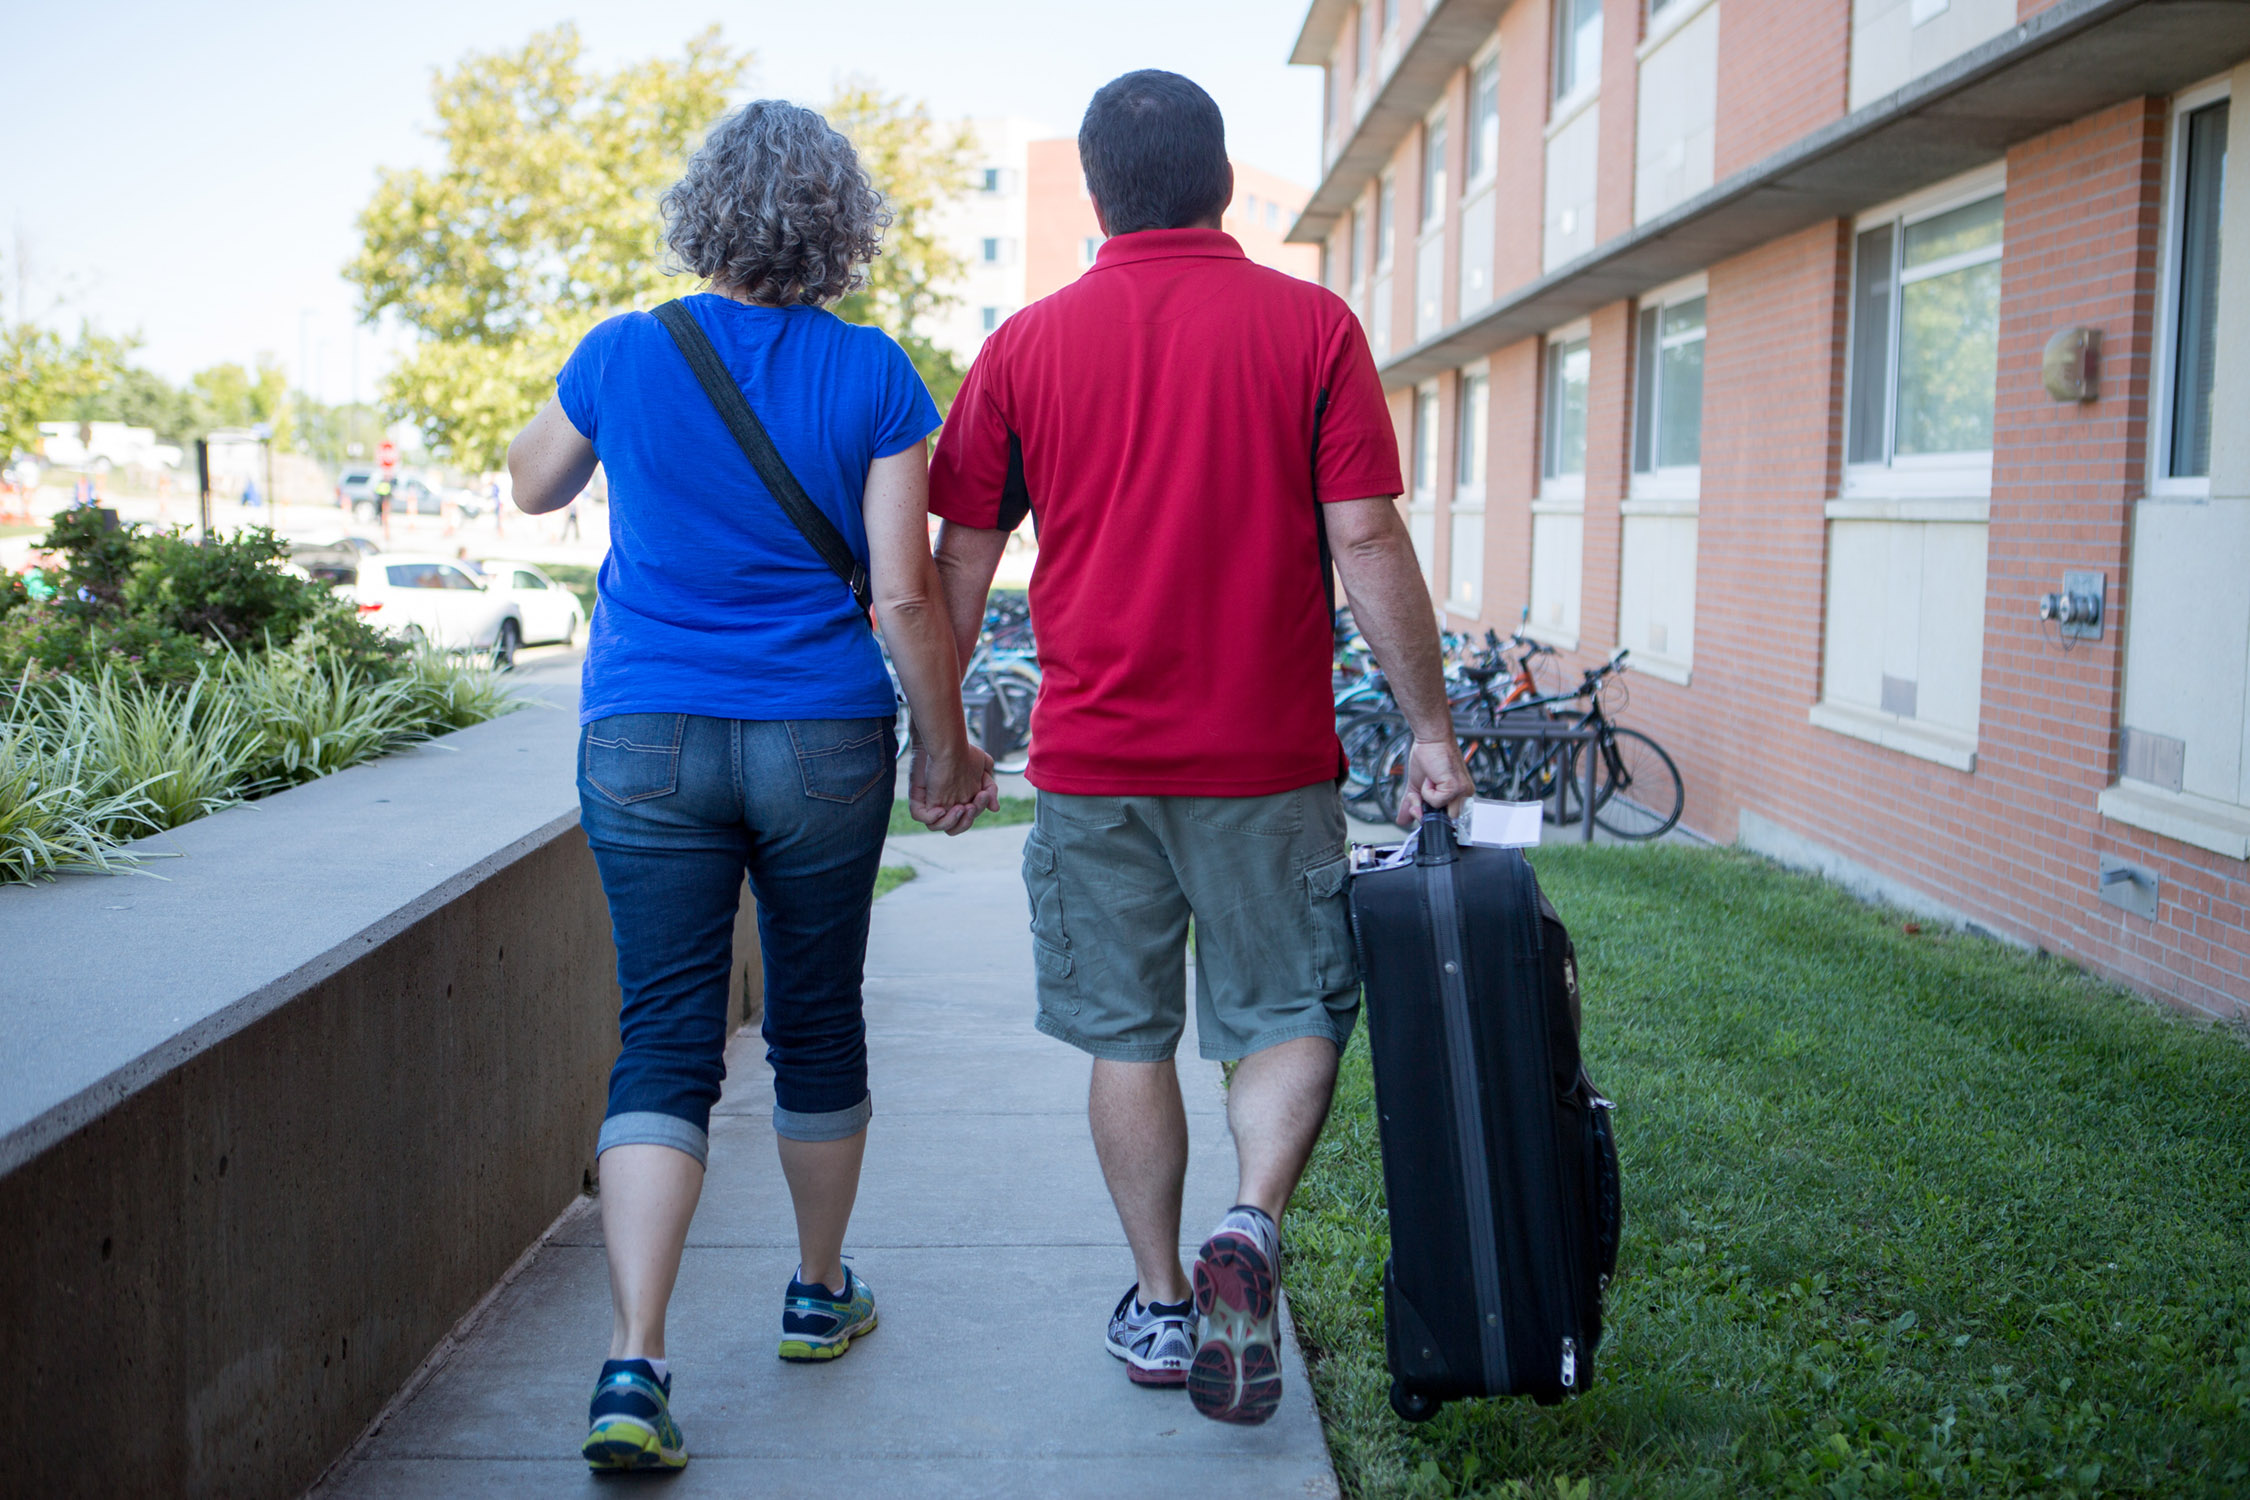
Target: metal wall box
{"x": 2129, "y": 887}
{"x": 2071, "y": 369}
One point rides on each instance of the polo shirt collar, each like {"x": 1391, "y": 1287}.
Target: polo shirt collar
{"x": 1165, "y": 244}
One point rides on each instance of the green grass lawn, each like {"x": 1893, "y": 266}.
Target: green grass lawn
{"x": 1012, "y": 810}
{"x": 890, "y": 877}
{"x": 1906, "y": 1213}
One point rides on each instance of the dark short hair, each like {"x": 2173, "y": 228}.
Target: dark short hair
{"x": 1154, "y": 150}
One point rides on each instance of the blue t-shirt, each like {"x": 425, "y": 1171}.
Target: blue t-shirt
{"x": 711, "y": 601}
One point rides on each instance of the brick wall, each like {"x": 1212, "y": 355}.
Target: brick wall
{"x": 1784, "y": 69}
{"x": 1519, "y": 189}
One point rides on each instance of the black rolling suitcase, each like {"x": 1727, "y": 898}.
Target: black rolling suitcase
{"x": 1498, "y": 1157}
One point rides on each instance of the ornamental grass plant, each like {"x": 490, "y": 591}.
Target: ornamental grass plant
{"x": 1907, "y": 1212}
{"x": 166, "y": 680}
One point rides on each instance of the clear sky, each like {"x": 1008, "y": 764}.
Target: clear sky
{"x": 191, "y": 171}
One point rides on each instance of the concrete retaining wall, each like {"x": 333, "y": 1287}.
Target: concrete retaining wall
{"x": 268, "y": 1128}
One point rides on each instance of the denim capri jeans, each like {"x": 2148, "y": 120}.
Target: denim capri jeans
{"x": 679, "y": 808}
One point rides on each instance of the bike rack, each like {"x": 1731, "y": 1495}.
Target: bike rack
{"x": 1548, "y": 733}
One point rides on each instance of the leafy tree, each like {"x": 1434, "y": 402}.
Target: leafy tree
{"x": 142, "y": 398}
{"x": 917, "y": 165}
{"x": 43, "y": 377}
{"x": 541, "y": 222}
{"x": 227, "y": 395}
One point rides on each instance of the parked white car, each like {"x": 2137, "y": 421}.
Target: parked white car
{"x": 435, "y": 599}
{"x": 550, "y": 612}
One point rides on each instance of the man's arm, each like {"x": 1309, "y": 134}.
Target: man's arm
{"x": 1391, "y": 606}
{"x": 967, "y": 557}
{"x": 549, "y": 462}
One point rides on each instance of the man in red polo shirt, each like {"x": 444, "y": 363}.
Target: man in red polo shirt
{"x": 1182, "y": 423}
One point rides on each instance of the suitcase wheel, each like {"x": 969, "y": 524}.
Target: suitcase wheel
{"x": 1412, "y": 1405}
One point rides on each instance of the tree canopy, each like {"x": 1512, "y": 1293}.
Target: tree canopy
{"x": 543, "y": 220}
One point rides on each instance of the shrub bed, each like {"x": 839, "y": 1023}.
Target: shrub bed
{"x": 151, "y": 681}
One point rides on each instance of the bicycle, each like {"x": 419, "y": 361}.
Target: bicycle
{"x": 1638, "y": 793}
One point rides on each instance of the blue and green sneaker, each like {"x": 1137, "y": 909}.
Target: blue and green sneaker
{"x": 817, "y": 1324}
{"x": 629, "y": 1425}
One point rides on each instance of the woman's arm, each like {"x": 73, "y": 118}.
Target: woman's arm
{"x": 950, "y": 779}
{"x": 550, "y": 462}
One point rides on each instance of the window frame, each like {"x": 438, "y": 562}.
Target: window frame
{"x": 1437, "y": 139}
{"x": 1476, "y": 175}
{"x": 1565, "y": 99}
{"x": 1960, "y": 476}
{"x": 2161, "y": 483}
{"x": 1386, "y": 221}
{"x": 1675, "y": 481}
{"x": 1569, "y": 489}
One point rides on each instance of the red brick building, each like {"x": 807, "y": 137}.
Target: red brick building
{"x": 1753, "y": 335}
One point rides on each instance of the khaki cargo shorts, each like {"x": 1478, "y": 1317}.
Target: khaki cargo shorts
{"x": 1113, "y": 882}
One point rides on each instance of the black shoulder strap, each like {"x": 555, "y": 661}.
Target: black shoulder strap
{"x": 758, "y": 448}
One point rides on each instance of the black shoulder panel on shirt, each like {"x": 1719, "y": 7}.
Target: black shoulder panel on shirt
{"x": 1015, "y": 495}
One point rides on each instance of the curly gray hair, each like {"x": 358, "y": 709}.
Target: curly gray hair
{"x": 775, "y": 206}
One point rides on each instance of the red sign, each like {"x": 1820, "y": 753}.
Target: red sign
{"x": 386, "y": 456}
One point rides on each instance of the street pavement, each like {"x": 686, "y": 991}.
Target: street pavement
{"x": 983, "y": 1227}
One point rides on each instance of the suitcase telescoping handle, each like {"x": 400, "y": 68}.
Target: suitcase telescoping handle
{"x": 1435, "y": 843}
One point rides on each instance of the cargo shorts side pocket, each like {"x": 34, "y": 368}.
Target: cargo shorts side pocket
{"x": 1050, "y": 939}
{"x": 1329, "y": 924}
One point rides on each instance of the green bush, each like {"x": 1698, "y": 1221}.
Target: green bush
{"x": 160, "y": 606}
{"x": 56, "y": 812}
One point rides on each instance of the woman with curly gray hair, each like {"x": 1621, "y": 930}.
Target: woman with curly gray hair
{"x": 736, "y": 716}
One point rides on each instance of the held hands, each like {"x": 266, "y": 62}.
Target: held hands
{"x": 947, "y": 793}
{"x": 1436, "y": 776}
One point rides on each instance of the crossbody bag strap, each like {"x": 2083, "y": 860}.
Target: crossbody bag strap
{"x": 734, "y": 410}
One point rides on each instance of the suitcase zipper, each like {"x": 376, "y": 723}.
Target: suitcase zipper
{"x": 1468, "y": 1116}
{"x": 1569, "y": 1363}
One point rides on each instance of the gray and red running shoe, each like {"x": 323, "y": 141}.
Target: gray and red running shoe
{"x": 1236, "y": 1376}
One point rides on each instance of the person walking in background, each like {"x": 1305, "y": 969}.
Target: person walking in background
{"x": 1183, "y": 744}
{"x": 738, "y": 719}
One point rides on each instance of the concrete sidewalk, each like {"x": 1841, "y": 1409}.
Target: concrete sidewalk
{"x": 982, "y": 1225}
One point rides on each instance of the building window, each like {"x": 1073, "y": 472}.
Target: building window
{"x": 1578, "y": 46}
{"x": 1088, "y": 248}
{"x": 1273, "y": 214}
{"x": 992, "y": 179}
{"x": 2183, "y": 753}
{"x": 1386, "y": 222}
{"x": 1558, "y": 516}
{"x": 1668, "y": 388}
{"x": 1924, "y": 361}
{"x": 991, "y": 318}
{"x": 1484, "y": 120}
{"x": 1658, "y": 519}
{"x": 1563, "y": 452}
{"x": 2185, "y": 452}
{"x": 1433, "y": 171}
{"x": 1465, "y": 565}
{"x": 1421, "y": 500}
{"x": 991, "y": 252}
{"x": 1250, "y": 206}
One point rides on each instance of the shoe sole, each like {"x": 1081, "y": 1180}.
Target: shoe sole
{"x": 1140, "y": 1374}
{"x": 620, "y": 1443}
{"x": 820, "y": 1351}
{"x": 1236, "y": 1376}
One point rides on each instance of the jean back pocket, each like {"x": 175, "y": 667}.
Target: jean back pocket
{"x": 632, "y": 757}
{"x": 841, "y": 759}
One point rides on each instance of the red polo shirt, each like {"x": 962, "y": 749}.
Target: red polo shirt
{"x": 1157, "y": 416}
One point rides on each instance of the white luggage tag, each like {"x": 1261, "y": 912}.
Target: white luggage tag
{"x": 1503, "y": 825}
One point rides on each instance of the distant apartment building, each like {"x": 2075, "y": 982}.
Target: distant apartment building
{"x": 1026, "y": 227}
{"x": 1813, "y": 349}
